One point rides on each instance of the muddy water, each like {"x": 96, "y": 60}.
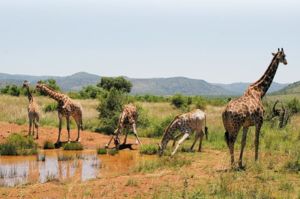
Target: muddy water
{"x": 65, "y": 165}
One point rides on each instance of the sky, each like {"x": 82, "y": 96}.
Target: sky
{"x": 215, "y": 40}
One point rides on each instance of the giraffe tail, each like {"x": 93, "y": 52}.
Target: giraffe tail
{"x": 206, "y": 130}
{"x": 227, "y": 138}
{"x": 81, "y": 125}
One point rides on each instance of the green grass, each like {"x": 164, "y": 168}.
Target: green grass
{"x": 48, "y": 145}
{"x": 112, "y": 151}
{"x": 149, "y": 149}
{"x": 101, "y": 151}
{"x": 73, "y": 146}
{"x": 148, "y": 166}
{"x": 17, "y": 144}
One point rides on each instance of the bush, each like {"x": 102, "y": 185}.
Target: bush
{"x": 90, "y": 92}
{"x": 48, "y": 145}
{"x": 50, "y": 107}
{"x": 179, "y": 101}
{"x": 294, "y": 105}
{"x": 12, "y": 90}
{"x": 200, "y": 103}
{"x": 118, "y": 83}
{"x": 101, "y": 151}
{"x": 16, "y": 144}
{"x": 109, "y": 110}
{"x": 148, "y": 149}
{"x": 73, "y": 146}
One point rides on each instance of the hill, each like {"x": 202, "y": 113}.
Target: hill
{"x": 293, "y": 88}
{"x": 155, "y": 86}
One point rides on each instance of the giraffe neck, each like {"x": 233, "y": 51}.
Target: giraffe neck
{"x": 168, "y": 135}
{"x": 263, "y": 84}
{"x": 53, "y": 94}
{"x": 29, "y": 94}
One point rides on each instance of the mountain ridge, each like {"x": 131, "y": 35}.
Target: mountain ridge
{"x": 155, "y": 86}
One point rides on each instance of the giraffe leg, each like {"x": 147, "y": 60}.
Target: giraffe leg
{"x": 30, "y": 125}
{"x": 59, "y": 127}
{"x": 176, "y": 138}
{"x": 257, "y": 132}
{"x": 186, "y": 135}
{"x": 200, "y": 141}
{"x": 68, "y": 128}
{"x": 245, "y": 130}
{"x": 135, "y": 133}
{"x": 197, "y": 136}
{"x": 126, "y": 134}
{"x": 112, "y": 137}
{"x": 78, "y": 123}
{"x": 37, "y": 127}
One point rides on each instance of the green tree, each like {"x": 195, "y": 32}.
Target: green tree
{"x": 179, "y": 101}
{"x": 110, "y": 107}
{"x": 119, "y": 83}
{"x": 90, "y": 92}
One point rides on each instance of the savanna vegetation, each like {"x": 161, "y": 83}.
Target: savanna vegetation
{"x": 187, "y": 175}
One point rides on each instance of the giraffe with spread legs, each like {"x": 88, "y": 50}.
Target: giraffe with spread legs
{"x": 248, "y": 110}
{"x": 33, "y": 111}
{"x": 128, "y": 119}
{"x": 186, "y": 123}
{"x": 66, "y": 108}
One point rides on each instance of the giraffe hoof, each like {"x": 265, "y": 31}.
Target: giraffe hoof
{"x": 78, "y": 140}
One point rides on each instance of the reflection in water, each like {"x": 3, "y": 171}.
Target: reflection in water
{"x": 63, "y": 165}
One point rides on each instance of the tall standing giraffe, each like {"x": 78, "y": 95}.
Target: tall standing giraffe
{"x": 66, "y": 108}
{"x": 128, "y": 119}
{"x": 186, "y": 123}
{"x": 33, "y": 111}
{"x": 248, "y": 110}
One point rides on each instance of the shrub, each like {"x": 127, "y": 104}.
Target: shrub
{"x": 179, "y": 101}
{"x": 12, "y": 90}
{"x": 16, "y": 144}
{"x": 148, "y": 149}
{"x": 200, "y": 103}
{"x": 48, "y": 145}
{"x": 101, "y": 151}
{"x": 73, "y": 146}
{"x": 90, "y": 92}
{"x": 294, "y": 105}
{"x": 50, "y": 107}
{"x": 109, "y": 109}
{"x": 118, "y": 83}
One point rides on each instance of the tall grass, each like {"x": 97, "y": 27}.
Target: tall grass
{"x": 17, "y": 144}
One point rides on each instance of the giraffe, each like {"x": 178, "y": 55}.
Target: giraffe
{"x": 248, "y": 110}
{"x": 33, "y": 111}
{"x": 66, "y": 108}
{"x": 186, "y": 123}
{"x": 127, "y": 119}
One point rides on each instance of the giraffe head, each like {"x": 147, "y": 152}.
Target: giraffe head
{"x": 25, "y": 84}
{"x": 39, "y": 85}
{"x": 280, "y": 56}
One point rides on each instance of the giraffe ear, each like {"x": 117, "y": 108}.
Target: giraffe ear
{"x": 273, "y": 54}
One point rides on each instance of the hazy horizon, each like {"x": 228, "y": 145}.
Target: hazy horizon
{"x": 213, "y": 40}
